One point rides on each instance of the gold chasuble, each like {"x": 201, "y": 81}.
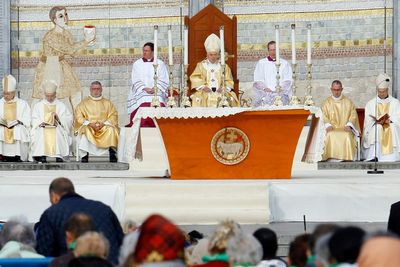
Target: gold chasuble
{"x": 340, "y": 144}
{"x": 212, "y": 78}
{"x": 386, "y": 138}
{"x": 49, "y": 132}
{"x": 97, "y": 110}
{"x": 10, "y": 114}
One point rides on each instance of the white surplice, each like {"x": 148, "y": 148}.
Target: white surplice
{"x": 63, "y": 138}
{"x": 265, "y": 77}
{"x": 20, "y": 147}
{"x": 142, "y": 77}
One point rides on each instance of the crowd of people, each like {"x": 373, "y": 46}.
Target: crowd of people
{"x": 75, "y": 231}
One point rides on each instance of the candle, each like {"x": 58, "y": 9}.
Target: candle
{"x": 170, "y": 54}
{"x": 277, "y": 44}
{"x": 309, "y": 44}
{"x": 186, "y": 46}
{"x": 222, "y": 37}
{"x": 155, "y": 43}
{"x": 293, "y": 44}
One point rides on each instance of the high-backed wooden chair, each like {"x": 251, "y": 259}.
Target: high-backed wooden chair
{"x": 208, "y": 21}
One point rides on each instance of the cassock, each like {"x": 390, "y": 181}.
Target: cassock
{"x": 15, "y": 141}
{"x": 265, "y": 77}
{"x": 210, "y": 75}
{"x": 388, "y": 135}
{"x": 142, "y": 77}
{"x": 92, "y": 110}
{"x": 338, "y": 113}
{"x": 50, "y": 141}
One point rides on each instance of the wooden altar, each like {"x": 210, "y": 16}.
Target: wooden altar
{"x": 272, "y": 134}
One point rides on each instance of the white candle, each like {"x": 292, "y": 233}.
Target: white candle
{"x": 186, "y": 46}
{"x": 293, "y": 44}
{"x": 309, "y": 44}
{"x": 155, "y": 43}
{"x": 277, "y": 44}
{"x": 222, "y": 37}
{"x": 170, "y": 54}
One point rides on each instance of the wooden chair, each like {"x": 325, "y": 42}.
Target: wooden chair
{"x": 208, "y": 21}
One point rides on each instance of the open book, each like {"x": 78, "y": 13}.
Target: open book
{"x": 8, "y": 124}
{"x": 381, "y": 120}
{"x": 51, "y": 125}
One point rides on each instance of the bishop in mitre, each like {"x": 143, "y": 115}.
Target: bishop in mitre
{"x": 341, "y": 125}
{"x": 207, "y": 78}
{"x": 15, "y": 116}
{"x": 382, "y": 112}
{"x": 96, "y": 125}
{"x": 51, "y": 124}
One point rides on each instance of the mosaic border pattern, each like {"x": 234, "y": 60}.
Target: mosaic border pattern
{"x": 108, "y": 59}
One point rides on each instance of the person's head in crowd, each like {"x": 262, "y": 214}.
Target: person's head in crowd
{"x": 18, "y": 229}
{"x": 194, "y": 237}
{"x": 160, "y": 241}
{"x": 76, "y": 226}
{"x": 299, "y": 250}
{"x": 345, "y": 244}
{"x": 130, "y": 226}
{"x": 196, "y": 252}
{"x": 127, "y": 248}
{"x": 380, "y": 251}
{"x": 148, "y": 51}
{"x": 244, "y": 250}
{"x": 60, "y": 187}
{"x": 92, "y": 244}
{"x": 321, "y": 230}
{"x": 219, "y": 239}
{"x": 321, "y": 251}
{"x": 268, "y": 241}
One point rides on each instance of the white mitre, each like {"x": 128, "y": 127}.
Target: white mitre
{"x": 9, "y": 84}
{"x": 382, "y": 81}
{"x": 212, "y": 44}
{"x": 49, "y": 86}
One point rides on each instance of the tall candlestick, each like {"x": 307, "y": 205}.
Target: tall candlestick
{"x": 170, "y": 54}
{"x": 293, "y": 44}
{"x": 278, "y": 61}
{"x": 222, "y": 37}
{"x": 186, "y": 46}
{"x": 309, "y": 44}
{"x": 155, "y": 43}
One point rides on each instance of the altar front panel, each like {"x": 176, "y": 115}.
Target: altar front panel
{"x": 273, "y": 137}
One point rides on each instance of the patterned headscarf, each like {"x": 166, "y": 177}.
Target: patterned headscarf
{"x": 159, "y": 240}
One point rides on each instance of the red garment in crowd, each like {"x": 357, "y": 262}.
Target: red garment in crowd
{"x": 213, "y": 264}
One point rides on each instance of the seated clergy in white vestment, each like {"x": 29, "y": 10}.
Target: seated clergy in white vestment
{"x": 15, "y": 121}
{"x": 382, "y": 112}
{"x": 51, "y": 124}
{"x": 341, "y": 124}
{"x": 96, "y": 125}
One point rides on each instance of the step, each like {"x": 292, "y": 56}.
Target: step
{"x": 358, "y": 165}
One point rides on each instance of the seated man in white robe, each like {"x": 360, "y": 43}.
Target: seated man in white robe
{"x": 382, "y": 116}
{"x": 142, "y": 91}
{"x": 96, "y": 125}
{"x": 341, "y": 124}
{"x": 51, "y": 124}
{"x": 208, "y": 78}
{"x": 15, "y": 116}
{"x": 264, "y": 86}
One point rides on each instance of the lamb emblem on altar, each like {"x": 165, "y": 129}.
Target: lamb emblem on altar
{"x": 230, "y": 146}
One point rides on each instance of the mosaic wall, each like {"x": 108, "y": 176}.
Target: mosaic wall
{"x": 348, "y": 40}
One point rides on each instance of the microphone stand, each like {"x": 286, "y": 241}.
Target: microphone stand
{"x": 375, "y": 170}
